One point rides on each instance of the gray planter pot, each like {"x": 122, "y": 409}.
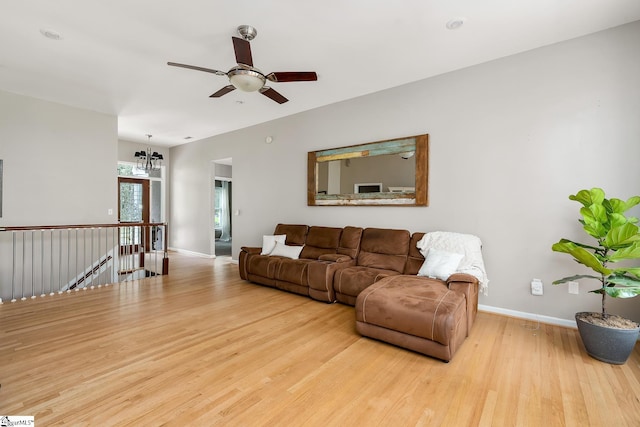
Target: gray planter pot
{"x": 609, "y": 345}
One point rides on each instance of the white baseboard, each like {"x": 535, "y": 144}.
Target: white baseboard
{"x": 528, "y": 316}
{"x": 186, "y": 252}
{"x": 531, "y": 316}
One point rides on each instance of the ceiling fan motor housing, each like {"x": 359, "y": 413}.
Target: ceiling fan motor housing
{"x": 247, "y": 32}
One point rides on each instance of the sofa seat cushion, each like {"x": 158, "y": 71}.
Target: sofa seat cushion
{"x": 417, "y": 306}
{"x": 293, "y": 271}
{"x": 263, "y": 265}
{"x": 353, "y": 280}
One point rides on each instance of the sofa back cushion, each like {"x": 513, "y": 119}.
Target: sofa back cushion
{"x": 384, "y": 248}
{"x": 415, "y": 259}
{"x": 320, "y": 241}
{"x": 296, "y": 234}
{"x": 350, "y": 241}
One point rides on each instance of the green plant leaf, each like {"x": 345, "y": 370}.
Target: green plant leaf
{"x": 595, "y": 229}
{"x": 617, "y": 220}
{"x": 631, "y": 202}
{"x": 617, "y": 205}
{"x": 622, "y": 236}
{"x": 599, "y": 213}
{"x": 589, "y": 197}
{"x": 620, "y": 206}
{"x": 630, "y": 252}
{"x": 582, "y": 245}
{"x": 574, "y": 278}
{"x": 594, "y": 214}
{"x": 581, "y": 255}
{"x": 582, "y": 196}
{"x": 633, "y": 270}
{"x": 622, "y": 292}
{"x": 622, "y": 279}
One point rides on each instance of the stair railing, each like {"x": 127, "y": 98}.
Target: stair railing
{"x": 41, "y": 260}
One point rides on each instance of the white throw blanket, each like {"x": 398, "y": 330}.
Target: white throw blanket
{"x": 459, "y": 243}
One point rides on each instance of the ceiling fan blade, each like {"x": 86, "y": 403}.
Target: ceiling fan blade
{"x": 270, "y": 93}
{"x": 243, "y": 51}
{"x": 194, "y": 67}
{"x": 293, "y": 76}
{"x": 225, "y": 90}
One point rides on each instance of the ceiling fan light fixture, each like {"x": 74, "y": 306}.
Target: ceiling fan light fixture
{"x": 246, "y": 80}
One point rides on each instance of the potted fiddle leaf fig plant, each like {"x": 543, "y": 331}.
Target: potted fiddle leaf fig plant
{"x": 606, "y": 337}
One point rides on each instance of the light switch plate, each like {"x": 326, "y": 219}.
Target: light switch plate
{"x": 574, "y": 287}
{"x": 536, "y": 287}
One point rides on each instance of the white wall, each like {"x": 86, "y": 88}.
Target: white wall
{"x": 223, "y": 171}
{"x": 59, "y": 168}
{"x": 59, "y": 163}
{"x": 509, "y": 141}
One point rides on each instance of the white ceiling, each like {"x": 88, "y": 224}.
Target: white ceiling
{"x": 113, "y": 53}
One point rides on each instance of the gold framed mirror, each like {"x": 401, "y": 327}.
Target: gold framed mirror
{"x": 383, "y": 173}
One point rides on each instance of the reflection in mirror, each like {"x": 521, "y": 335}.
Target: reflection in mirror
{"x": 392, "y": 172}
{"x": 365, "y": 174}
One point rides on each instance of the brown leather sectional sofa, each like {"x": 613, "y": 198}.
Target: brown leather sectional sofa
{"x": 375, "y": 270}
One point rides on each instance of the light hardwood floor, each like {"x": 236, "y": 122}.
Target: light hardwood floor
{"x": 202, "y": 347}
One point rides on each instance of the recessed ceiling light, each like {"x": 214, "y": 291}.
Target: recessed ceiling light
{"x": 51, "y": 34}
{"x": 455, "y": 23}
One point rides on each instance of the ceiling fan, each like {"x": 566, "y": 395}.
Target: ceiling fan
{"x": 245, "y": 76}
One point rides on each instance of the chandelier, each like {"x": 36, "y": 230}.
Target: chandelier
{"x": 148, "y": 161}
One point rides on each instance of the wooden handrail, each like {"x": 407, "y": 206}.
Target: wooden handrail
{"x": 116, "y": 225}
{"x": 59, "y": 227}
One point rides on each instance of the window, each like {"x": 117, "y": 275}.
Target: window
{"x": 156, "y": 190}
{"x": 217, "y": 211}
{"x": 130, "y": 169}
{"x": 222, "y": 209}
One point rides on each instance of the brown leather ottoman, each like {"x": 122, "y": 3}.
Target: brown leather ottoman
{"x": 417, "y": 313}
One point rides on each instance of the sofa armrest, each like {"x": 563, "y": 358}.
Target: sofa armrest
{"x": 243, "y": 260}
{"x": 320, "y": 276}
{"x": 462, "y": 277}
{"x": 468, "y": 285}
{"x": 251, "y": 250}
{"x": 335, "y": 258}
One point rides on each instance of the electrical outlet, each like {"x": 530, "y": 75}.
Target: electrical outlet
{"x": 574, "y": 287}
{"x": 537, "y": 287}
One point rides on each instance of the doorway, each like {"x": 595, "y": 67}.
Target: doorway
{"x": 133, "y": 196}
{"x": 133, "y": 209}
{"x": 221, "y": 208}
{"x": 222, "y": 216}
